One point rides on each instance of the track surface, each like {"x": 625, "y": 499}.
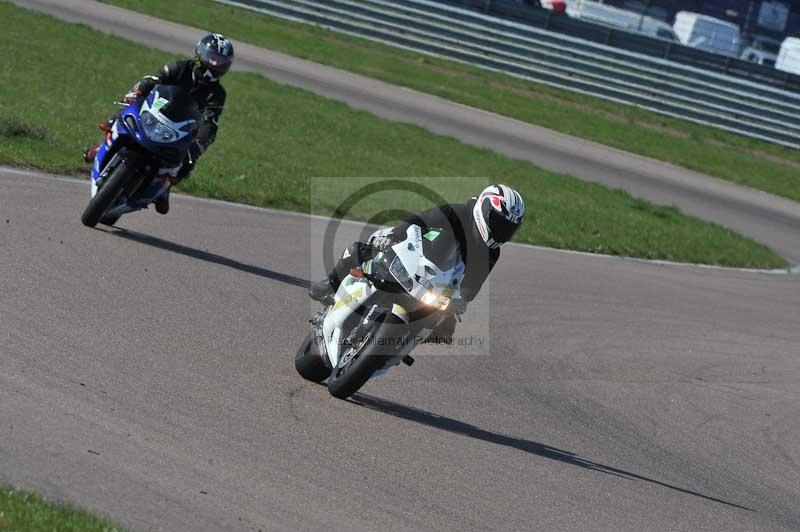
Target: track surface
{"x": 147, "y": 371}
{"x": 147, "y": 374}
{"x": 768, "y": 219}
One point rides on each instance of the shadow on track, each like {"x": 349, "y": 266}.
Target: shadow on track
{"x": 206, "y": 256}
{"x": 405, "y": 412}
{"x": 539, "y": 449}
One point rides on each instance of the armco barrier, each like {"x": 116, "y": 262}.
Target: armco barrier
{"x": 699, "y": 95}
{"x": 643, "y": 44}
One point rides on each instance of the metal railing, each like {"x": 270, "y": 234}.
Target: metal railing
{"x": 634, "y": 42}
{"x": 699, "y": 95}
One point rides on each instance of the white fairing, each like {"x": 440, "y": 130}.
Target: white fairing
{"x": 426, "y": 276}
{"x": 351, "y": 294}
{"x": 427, "y": 280}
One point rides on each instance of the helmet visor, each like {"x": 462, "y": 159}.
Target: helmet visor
{"x": 217, "y": 63}
{"x": 501, "y": 229}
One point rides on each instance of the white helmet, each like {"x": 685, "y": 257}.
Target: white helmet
{"x": 497, "y": 214}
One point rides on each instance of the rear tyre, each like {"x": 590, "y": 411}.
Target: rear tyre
{"x": 108, "y": 194}
{"x": 309, "y": 362}
{"x": 358, "y": 363}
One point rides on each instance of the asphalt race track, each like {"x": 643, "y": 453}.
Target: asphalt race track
{"x": 147, "y": 374}
{"x": 769, "y": 219}
{"x": 147, "y": 370}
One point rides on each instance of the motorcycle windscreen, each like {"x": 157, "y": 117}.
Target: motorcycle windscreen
{"x": 180, "y": 106}
{"x": 441, "y": 248}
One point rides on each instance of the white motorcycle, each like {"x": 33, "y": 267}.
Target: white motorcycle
{"x": 382, "y": 310}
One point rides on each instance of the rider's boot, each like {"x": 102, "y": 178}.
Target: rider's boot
{"x": 322, "y": 291}
{"x": 171, "y": 173}
{"x": 162, "y": 204}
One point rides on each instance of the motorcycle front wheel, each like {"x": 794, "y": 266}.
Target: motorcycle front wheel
{"x": 309, "y": 362}
{"x": 108, "y": 194}
{"x": 365, "y": 356}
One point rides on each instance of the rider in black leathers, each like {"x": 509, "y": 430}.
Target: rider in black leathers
{"x": 200, "y": 78}
{"x": 481, "y": 225}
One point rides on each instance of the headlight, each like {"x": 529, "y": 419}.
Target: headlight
{"x": 442, "y": 302}
{"x": 156, "y": 131}
{"x": 399, "y": 272}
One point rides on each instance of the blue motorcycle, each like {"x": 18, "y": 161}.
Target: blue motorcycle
{"x": 149, "y": 135}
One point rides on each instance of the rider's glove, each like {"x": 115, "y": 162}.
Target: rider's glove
{"x": 381, "y": 243}
{"x": 132, "y": 96}
{"x": 459, "y": 307}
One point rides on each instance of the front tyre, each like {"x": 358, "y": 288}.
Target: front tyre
{"x": 366, "y": 356}
{"x": 108, "y": 194}
{"x": 110, "y": 220}
{"x": 309, "y": 362}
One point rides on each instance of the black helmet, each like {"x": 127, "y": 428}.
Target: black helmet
{"x": 497, "y": 214}
{"x": 213, "y": 57}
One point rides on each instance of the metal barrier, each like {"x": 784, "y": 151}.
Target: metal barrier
{"x": 633, "y": 42}
{"x": 699, "y": 95}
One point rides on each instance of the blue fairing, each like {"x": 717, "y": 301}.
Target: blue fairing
{"x": 123, "y": 133}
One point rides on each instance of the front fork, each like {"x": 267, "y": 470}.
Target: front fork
{"x": 107, "y": 170}
{"x": 394, "y": 316}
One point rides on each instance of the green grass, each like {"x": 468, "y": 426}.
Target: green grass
{"x": 274, "y": 139}
{"x": 21, "y": 511}
{"x": 715, "y": 152}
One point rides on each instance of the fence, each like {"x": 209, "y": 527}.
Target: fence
{"x": 699, "y": 95}
{"x": 632, "y": 42}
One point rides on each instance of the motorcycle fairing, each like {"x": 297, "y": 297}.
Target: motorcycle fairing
{"x": 129, "y": 128}
{"x": 354, "y": 292}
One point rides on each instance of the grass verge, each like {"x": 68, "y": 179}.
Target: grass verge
{"x": 274, "y": 139}
{"x": 21, "y": 511}
{"x": 712, "y": 151}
